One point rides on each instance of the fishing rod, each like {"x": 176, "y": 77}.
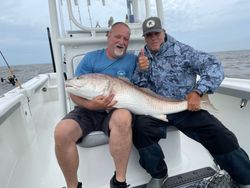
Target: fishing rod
{"x": 51, "y": 49}
{"x": 12, "y": 79}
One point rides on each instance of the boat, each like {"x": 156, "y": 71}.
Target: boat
{"x": 28, "y": 114}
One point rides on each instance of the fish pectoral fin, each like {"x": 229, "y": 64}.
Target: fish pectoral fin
{"x": 162, "y": 117}
{"x": 107, "y": 89}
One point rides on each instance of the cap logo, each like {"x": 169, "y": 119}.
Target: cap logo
{"x": 150, "y": 23}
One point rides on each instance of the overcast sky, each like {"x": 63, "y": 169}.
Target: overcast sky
{"x": 208, "y": 25}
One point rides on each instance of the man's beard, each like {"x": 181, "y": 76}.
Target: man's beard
{"x": 119, "y": 51}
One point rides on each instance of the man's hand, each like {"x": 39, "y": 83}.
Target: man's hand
{"x": 194, "y": 101}
{"x": 103, "y": 102}
{"x": 98, "y": 103}
{"x": 143, "y": 61}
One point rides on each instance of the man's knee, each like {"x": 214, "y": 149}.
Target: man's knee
{"x": 121, "y": 119}
{"x": 66, "y": 132}
{"x": 222, "y": 142}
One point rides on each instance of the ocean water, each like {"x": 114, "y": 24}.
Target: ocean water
{"x": 236, "y": 65}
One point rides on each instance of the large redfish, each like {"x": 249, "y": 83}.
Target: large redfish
{"x": 128, "y": 96}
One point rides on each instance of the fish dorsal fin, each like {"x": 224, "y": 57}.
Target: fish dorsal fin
{"x": 149, "y": 91}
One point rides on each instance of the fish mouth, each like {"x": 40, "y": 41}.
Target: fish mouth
{"x": 70, "y": 88}
{"x": 68, "y": 85}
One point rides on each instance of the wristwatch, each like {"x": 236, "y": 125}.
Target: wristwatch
{"x": 198, "y": 92}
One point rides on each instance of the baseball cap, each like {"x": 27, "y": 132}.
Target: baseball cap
{"x": 151, "y": 24}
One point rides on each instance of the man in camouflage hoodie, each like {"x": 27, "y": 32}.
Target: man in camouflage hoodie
{"x": 170, "y": 68}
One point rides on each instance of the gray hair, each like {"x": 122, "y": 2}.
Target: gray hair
{"x": 119, "y": 23}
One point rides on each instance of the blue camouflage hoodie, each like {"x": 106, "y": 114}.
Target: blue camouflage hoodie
{"x": 174, "y": 68}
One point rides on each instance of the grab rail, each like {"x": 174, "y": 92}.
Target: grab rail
{"x": 14, "y": 98}
{"x": 235, "y": 87}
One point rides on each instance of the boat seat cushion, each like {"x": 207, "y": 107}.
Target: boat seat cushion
{"x": 98, "y": 138}
{"x": 93, "y": 139}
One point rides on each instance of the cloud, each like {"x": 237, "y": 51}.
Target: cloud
{"x": 23, "y": 37}
{"x": 24, "y": 12}
{"x": 192, "y": 15}
{"x": 211, "y": 25}
{"x": 24, "y": 44}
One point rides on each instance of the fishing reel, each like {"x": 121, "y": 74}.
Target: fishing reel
{"x": 10, "y": 80}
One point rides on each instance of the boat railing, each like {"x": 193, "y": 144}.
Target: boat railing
{"x": 13, "y": 99}
{"x": 235, "y": 87}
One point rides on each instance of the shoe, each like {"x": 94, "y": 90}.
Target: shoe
{"x": 156, "y": 183}
{"x": 115, "y": 184}
{"x": 79, "y": 185}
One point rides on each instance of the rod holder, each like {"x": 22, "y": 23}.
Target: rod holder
{"x": 243, "y": 103}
